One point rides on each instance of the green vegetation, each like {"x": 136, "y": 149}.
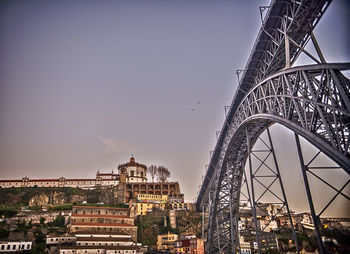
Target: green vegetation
{"x": 39, "y": 244}
{"x": 7, "y": 213}
{"x": 61, "y": 207}
{"x": 22, "y": 226}
{"x": 153, "y": 224}
{"x": 342, "y": 235}
{"x": 13, "y": 199}
{"x": 4, "y": 231}
{"x": 58, "y": 222}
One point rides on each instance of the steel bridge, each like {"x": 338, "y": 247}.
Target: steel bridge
{"x": 313, "y": 101}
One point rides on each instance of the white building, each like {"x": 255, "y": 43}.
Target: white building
{"x": 105, "y": 243}
{"x": 136, "y": 172}
{"x": 15, "y": 246}
{"x": 63, "y": 239}
{"x": 63, "y": 182}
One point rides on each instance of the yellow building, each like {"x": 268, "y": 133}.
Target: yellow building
{"x": 167, "y": 242}
{"x": 146, "y": 202}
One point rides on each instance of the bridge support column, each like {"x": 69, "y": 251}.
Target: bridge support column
{"x": 286, "y": 42}
{"x": 315, "y": 218}
{"x": 283, "y": 192}
{"x": 252, "y": 186}
{"x": 203, "y": 211}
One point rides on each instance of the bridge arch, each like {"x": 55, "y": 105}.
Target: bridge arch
{"x": 312, "y": 101}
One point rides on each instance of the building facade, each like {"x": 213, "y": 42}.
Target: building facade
{"x": 88, "y": 242}
{"x": 136, "y": 172}
{"x": 130, "y": 181}
{"x": 148, "y": 202}
{"x": 167, "y": 242}
{"x": 103, "y": 220}
{"x": 15, "y": 246}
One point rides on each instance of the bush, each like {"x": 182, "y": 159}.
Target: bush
{"x": 58, "y": 222}
{"x": 62, "y": 207}
{"x": 7, "y": 213}
{"x": 42, "y": 220}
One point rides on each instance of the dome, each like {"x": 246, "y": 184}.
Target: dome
{"x": 131, "y": 163}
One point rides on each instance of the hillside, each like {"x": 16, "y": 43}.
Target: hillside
{"x": 16, "y": 198}
{"x": 155, "y": 223}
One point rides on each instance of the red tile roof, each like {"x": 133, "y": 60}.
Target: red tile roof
{"x": 99, "y": 247}
{"x": 102, "y": 224}
{"x": 81, "y": 232}
{"x": 101, "y": 216}
{"x": 104, "y": 239}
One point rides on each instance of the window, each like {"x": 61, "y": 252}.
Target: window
{"x": 2, "y": 247}
{"x": 14, "y": 247}
{"x": 8, "y": 247}
{"x": 132, "y": 172}
{"x": 28, "y": 246}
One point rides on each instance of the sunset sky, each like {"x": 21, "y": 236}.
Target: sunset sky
{"x": 86, "y": 84}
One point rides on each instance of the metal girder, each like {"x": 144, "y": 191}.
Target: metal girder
{"x": 312, "y": 101}
{"x": 297, "y": 19}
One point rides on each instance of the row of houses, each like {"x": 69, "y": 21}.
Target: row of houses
{"x": 96, "y": 229}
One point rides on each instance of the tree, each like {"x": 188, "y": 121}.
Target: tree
{"x": 163, "y": 173}
{"x": 42, "y": 220}
{"x": 153, "y": 171}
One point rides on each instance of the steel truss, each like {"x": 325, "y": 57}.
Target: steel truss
{"x": 286, "y": 20}
{"x": 313, "y": 102}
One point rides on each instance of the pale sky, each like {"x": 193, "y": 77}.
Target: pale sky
{"x": 85, "y": 84}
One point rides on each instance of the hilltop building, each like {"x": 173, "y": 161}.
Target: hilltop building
{"x": 130, "y": 181}
{"x": 136, "y": 172}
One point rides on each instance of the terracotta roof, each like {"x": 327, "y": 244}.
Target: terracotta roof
{"x": 100, "y": 233}
{"x": 102, "y": 224}
{"x": 101, "y": 216}
{"x": 99, "y": 247}
{"x": 57, "y": 180}
{"x": 104, "y": 239}
{"x": 86, "y": 179}
{"x": 99, "y": 207}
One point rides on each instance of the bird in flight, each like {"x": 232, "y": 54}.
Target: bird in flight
{"x": 198, "y": 102}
